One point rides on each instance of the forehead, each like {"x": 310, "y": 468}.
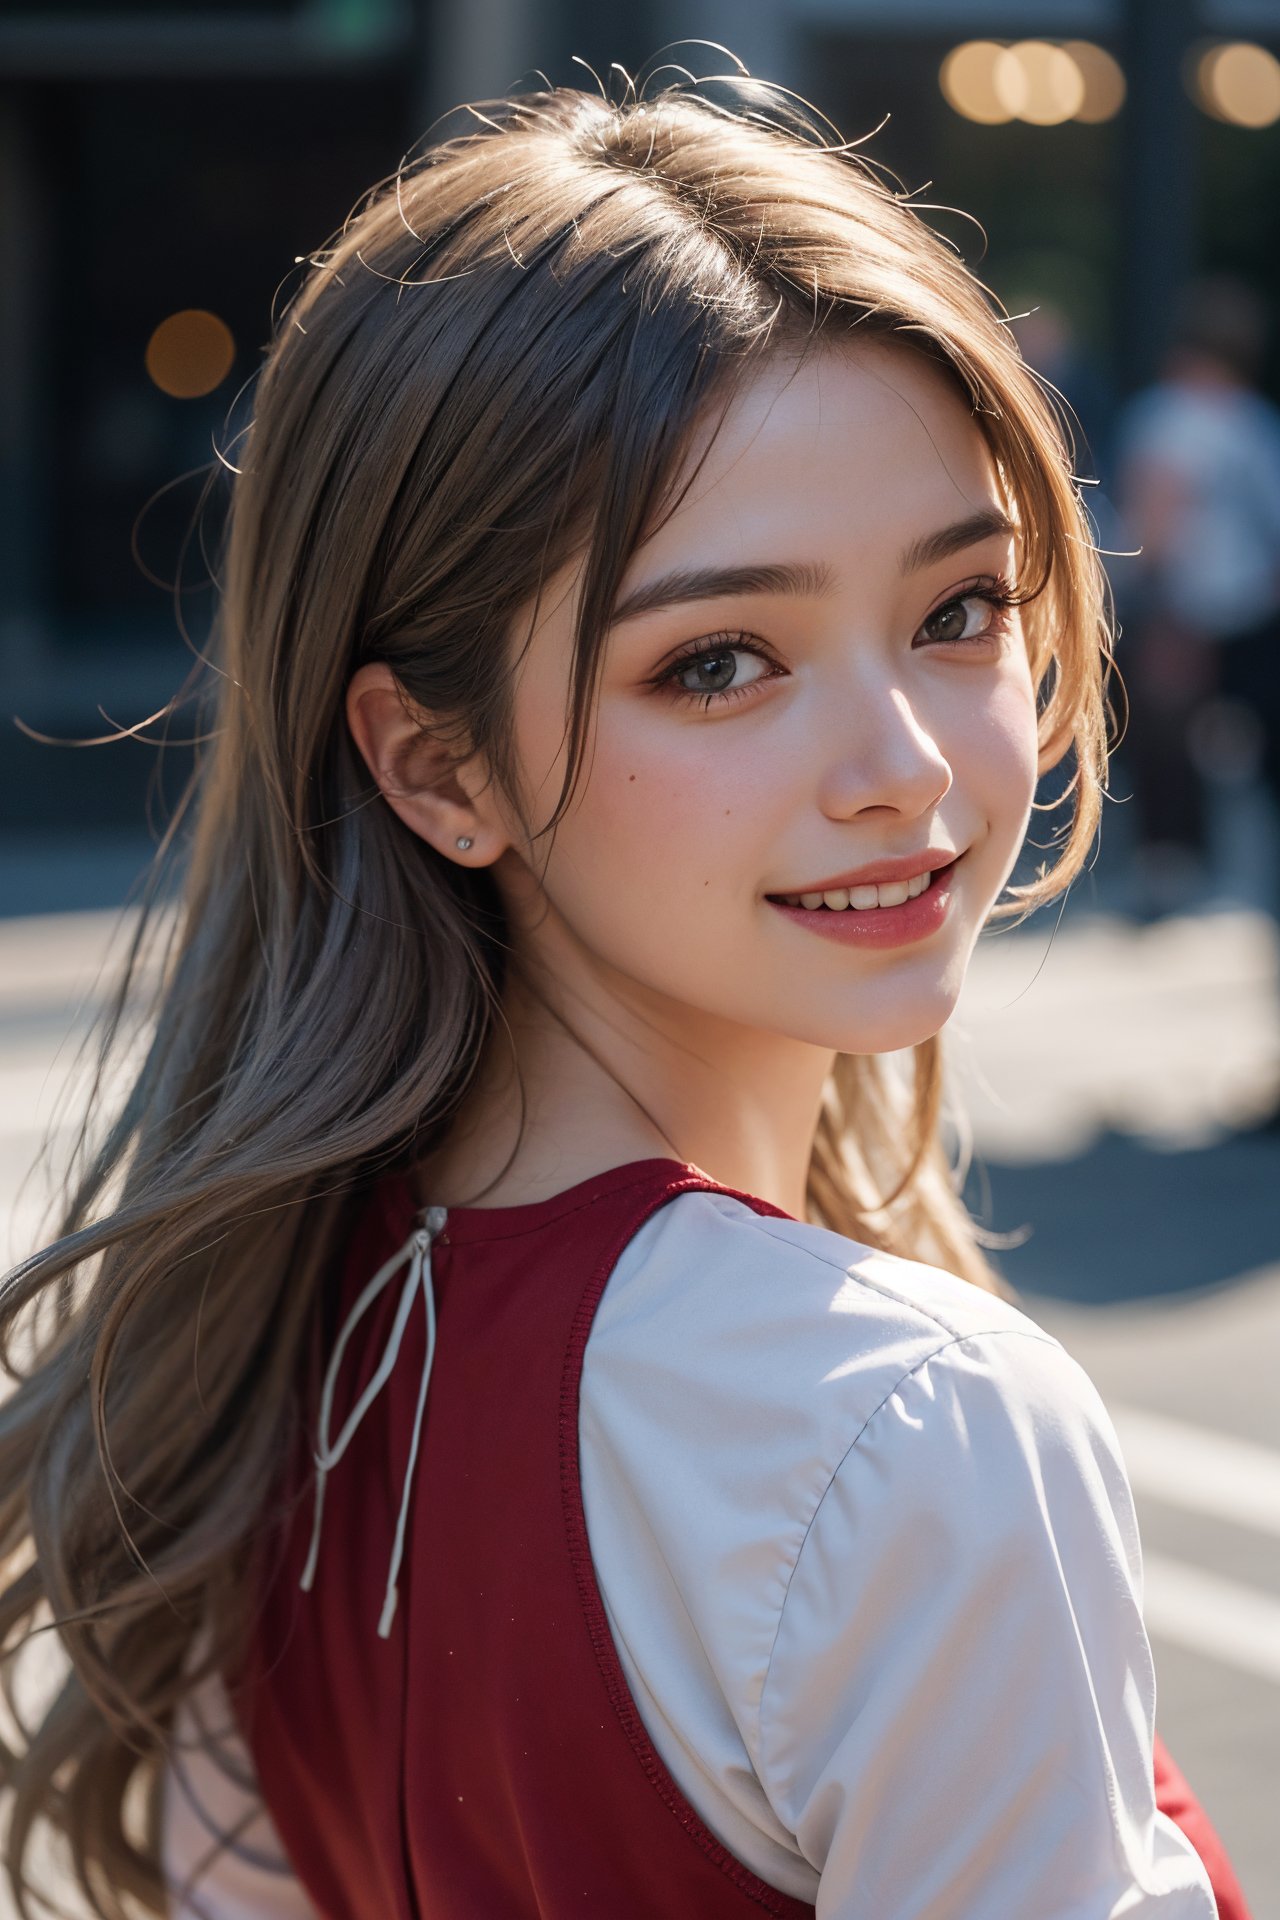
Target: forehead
{"x": 849, "y": 447}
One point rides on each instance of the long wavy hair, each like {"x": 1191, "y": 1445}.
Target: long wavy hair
{"x": 493, "y": 368}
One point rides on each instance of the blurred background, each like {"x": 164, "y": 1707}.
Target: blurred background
{"x": 161, "y": 168}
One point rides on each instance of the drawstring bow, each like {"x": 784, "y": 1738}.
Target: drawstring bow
{"x": 417, "y": 1251}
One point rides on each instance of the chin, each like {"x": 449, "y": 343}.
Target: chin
{"x": 891, "y": 1028}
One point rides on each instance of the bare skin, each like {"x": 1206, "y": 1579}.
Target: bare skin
{"x": 880, "y": 706}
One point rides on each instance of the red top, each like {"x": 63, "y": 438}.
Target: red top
{"x": 1174, "y": 1797}
{"x": 492, "y": 1762}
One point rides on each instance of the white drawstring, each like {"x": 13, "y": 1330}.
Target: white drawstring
{"x": 417, "y": 1251}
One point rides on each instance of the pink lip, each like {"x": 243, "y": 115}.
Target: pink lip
{"x": 880, "y": 873}
{"x": 879, "y": 926}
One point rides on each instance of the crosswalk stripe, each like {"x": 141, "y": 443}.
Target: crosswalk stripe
{"x": 1201, "y": 1471}
{"x": 30, "y": 1091}
{"x": 1220, "y": 1619}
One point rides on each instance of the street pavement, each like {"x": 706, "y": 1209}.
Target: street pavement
{"x": 1115, "y": 1076}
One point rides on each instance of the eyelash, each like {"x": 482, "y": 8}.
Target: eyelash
{"x": 999, "y": 593}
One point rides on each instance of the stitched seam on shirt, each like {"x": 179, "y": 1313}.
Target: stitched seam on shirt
{"x": 978, "y": 1333}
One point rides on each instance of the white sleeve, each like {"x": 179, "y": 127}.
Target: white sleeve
{"x": 210, "y": 1790}
{"x": 958, "y": 1713}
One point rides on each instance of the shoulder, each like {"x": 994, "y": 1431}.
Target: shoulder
{"x": 718, "y": 1319}
{"x": 719, "y": 1295}
{"x": 960, "y": 1652}
{"x": 803, "y": 1337}
{"x": 869, "y": 1554}
{"x": 764, "y": 1403}
{"x": 733, "y": 1350}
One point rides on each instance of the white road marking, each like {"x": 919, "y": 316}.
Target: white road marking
{"x": 1208, "y": 1615}
{"x": 1209, "y": 1473}
{"x": 30, "y": 1094}
{"x": 1198, "y": 1470}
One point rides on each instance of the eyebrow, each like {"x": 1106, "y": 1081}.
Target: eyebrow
{"x": 931, "y": 547}
{"x": 801, "y": 580}
{"x": 721, "y": 583}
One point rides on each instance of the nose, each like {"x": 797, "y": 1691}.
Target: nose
{"x": 888, "y": 761}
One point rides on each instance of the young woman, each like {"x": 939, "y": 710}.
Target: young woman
{"x": 526, "y": 1427}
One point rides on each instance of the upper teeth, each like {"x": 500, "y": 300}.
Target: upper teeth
{"x": 892, "y": 894}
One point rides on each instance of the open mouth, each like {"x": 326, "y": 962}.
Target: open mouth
{"x": 867, "y": 899}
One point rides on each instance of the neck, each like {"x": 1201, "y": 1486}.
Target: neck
{"x": 612, "y": 1074}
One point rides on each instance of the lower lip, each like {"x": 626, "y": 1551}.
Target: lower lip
{"x": 880, "y": 926}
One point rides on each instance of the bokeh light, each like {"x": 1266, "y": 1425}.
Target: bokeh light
{"x": 190, "y": 353}
{"x": 979, "y": 79}
{"x": 1104, "y": 82}
{"x": 1052, "y": 84}
{"x": 1037, "y": 81}
{"x": 1239, "y": 82}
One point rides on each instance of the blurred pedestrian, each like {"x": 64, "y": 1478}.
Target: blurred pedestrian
{"x": 1052, "y": 344}
{"x": 1198, "y": 483}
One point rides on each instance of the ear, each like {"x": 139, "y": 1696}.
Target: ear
{"x": 439, "y": 797}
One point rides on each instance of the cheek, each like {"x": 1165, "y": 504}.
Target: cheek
{"x": 1000, "y": 751}
{"x": 659, "y": 856}
{"x": 680, "y": 818}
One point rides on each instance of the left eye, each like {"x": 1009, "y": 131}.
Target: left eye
{"x": 718, "y": 671}
{"x": 972, "y": 617}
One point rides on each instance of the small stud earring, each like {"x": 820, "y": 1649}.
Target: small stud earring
{"x": 463, "y": 841}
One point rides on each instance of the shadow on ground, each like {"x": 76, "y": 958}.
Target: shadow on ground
{"x": 1128, "y": 1221}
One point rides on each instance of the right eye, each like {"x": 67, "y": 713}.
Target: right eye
{"x": 716, "y": 670}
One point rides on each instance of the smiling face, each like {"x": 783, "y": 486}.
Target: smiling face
{"x": 849, "y": 701}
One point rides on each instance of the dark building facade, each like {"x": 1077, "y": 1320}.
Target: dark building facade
{"x": 171, "y": 159}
